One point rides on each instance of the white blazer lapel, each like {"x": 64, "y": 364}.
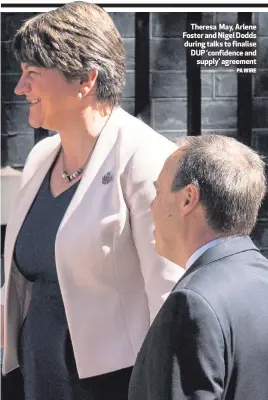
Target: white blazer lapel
{"x": 103, "y": 147}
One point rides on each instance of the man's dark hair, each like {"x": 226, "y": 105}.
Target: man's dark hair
{"x": 230, "y": 178}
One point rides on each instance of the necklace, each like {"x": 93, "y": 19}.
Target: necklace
{"x": 69, "y": 177}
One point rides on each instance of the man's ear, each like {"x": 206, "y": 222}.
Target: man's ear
{"x": 190, "y": 198}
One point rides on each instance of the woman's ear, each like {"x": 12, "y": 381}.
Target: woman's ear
{"x": 88, "y": 82}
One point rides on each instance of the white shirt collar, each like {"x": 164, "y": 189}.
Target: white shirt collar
{"x": 202, "y": 250}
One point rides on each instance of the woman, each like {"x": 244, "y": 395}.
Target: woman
{"x": 83, "y": 281}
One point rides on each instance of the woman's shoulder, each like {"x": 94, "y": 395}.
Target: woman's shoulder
{"x": 142, "y": 150}
{"x": 137, "y": 136}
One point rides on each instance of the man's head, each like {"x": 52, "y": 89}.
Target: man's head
{"x": 211, "y": 187}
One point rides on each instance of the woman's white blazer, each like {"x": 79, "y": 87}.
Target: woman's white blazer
{"x": 112, "y": 281}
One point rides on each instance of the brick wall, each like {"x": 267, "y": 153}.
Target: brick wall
{"x": 167, "y": 88}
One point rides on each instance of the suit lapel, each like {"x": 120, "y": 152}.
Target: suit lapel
{"x": 103, "y": 148}
{"x": 229, "y": 247}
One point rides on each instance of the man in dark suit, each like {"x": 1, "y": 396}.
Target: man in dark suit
{"x": 210, "y": 339}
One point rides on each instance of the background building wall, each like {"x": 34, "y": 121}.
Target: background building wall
{"x": 168, "y": 89}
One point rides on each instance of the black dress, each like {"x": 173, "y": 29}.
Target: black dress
{"x": 45, "y": 350}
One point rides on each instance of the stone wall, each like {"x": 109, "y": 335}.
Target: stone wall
{"x": 167, "y": 88}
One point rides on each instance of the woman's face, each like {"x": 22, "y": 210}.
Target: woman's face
{"x": 53, "y": 100}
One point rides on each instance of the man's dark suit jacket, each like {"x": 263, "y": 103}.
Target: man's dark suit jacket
{"x": 210, "y": 339}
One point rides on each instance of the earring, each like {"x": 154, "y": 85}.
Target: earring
{"x": 80, "y": 96}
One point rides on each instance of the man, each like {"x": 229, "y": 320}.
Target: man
{"x": 210, "y": 339}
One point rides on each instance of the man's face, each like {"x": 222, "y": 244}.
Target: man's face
{"x": 166, "y": 210}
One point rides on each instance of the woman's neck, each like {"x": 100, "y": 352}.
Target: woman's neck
{"x": 79, "y": 138}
